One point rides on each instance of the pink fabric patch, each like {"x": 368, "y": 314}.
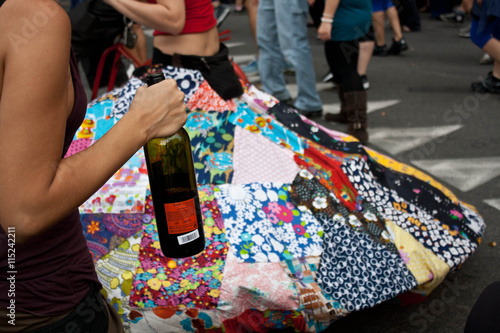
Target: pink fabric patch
{"x": 258, "y": 159}
{"x": 261, "y": 286}
{"x": 206, "y": 99}
{"x": 77, "y": 146}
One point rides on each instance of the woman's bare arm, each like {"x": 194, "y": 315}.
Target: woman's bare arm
{"x": 37, "y": 188}
{"x": 166, "y": 15}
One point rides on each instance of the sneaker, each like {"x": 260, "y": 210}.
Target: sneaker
{"x": 453, "y": 17}
{"x": 464, "y": 32}
{"x": 221, "y": 12}
{"x": 487, "y": 86}
{"x": 486, "y": 59}
{"x": 398, "y": 47}
{"x": 380, "y": 51}
{"x": 366, "y": 83}
{"x": 328, "y": 77}
{"x": 252, "y": 69}
{"x": 309, "y": 114}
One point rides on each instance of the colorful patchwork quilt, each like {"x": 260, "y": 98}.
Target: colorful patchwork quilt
{"x": 303, "y": 224}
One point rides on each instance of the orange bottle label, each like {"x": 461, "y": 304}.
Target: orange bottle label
{"x": 181, "y": 217}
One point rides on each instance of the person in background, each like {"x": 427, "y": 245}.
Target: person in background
{"x": 409, "y": 16}
{"x": 185, "y": 27}
{"x": 282, "y": 34}
{"x": 252, "y": 68}
{"x": 186, "y": 36}
{"x": 343, "y": 24}
{"x": 381, "y": 9}
{"x": 42, "y": 105}
{"x": 485, "y": 34}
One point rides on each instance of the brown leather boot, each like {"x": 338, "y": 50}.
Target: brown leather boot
{"x": 342, "y": 116}
{"x": 356, "y": 115}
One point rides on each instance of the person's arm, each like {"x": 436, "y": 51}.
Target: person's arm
{"x": 166, "y": 15}
{"x": 38, "y": 188}
{"x": 325, "y": 28}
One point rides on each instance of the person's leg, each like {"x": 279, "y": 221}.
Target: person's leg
{"x": 365, "y": 55}
{"x": 338, "y": 65}
{"x": 392, "y": 16}
{"x": 492, "y": 47}
{"x": 488, "y": 39}
{"x": 466, "y": 5}
{"x": 352, "y": 96}
{"x": 291, "y": 16}
{"x": 378, "y": 19}
{"x": 251, "y": 8}
{"x": 252, "y": 68}
{"x": 270, "y": 59}
{"x": 398, "y": 42}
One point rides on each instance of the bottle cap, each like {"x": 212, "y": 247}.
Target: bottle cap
{"x": 154, "y": 78}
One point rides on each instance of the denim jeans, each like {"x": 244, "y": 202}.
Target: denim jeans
{"x": 282, "y": 33}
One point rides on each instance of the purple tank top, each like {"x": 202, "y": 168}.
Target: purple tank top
{"x": 54, "y": 270}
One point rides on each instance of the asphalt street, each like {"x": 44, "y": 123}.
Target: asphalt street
{"x": 423, "y": 112}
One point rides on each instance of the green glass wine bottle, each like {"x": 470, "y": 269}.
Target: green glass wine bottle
{"x": 174, "y": 189}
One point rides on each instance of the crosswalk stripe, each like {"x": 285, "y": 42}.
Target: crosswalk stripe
{"x": 398, "y": 140}
{"x": 495, "y": 203}
{"x": 463, "y": 173}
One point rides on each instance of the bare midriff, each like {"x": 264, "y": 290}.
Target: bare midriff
{"x": 201, "y": 43}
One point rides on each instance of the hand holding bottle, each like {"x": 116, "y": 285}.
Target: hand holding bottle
{"x": 174, "y": 189}
{"x": 161, "y": 108}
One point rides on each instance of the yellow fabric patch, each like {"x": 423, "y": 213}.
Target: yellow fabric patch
{"x": 426, "y": 267}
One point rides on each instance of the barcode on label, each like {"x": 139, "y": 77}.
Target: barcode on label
{"x": 188, "y": 237}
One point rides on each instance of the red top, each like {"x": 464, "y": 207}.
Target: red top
{"x": 199, "y": 17}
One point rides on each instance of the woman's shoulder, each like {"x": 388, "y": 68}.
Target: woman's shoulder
{"x": 28, "y": 22}
{"x": 28, "y": 17}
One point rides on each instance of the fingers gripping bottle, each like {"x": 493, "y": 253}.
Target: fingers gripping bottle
{"x": 174, "y": 189}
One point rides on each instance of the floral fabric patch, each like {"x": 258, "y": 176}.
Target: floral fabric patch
{"x": 257, "y": 100}
{"x": 98, "y": 120}
{"x": 188, "y": 80}
{"x": 174, "y": 320}
{"x": 115, "y": 272}
{"x": 206, "y": 99}
{"x": 125, "y": 97}
{"x": 125, "y": 192}
{"x": 264, "y": 226}
{"x": 193, "y": 281}
{"x": 267, "y": 126}
{"x": 212, "y": 146}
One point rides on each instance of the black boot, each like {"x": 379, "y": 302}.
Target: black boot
{"x": 356, "y": 105}
{"x": 342, "y": 116}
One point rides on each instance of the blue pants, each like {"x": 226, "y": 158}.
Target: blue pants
{"x": 282, "y": 33}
